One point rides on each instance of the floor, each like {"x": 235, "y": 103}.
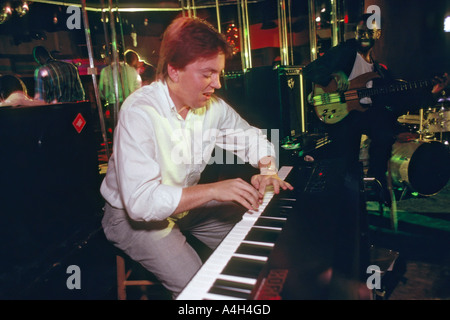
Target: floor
{"x": 421, "y": 271}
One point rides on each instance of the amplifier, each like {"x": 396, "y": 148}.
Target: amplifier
{"x": 269, "y": 98}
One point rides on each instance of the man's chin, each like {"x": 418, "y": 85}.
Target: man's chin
{"x": 363, "y": 48}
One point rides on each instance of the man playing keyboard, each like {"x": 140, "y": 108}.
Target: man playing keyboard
{"x": 162, "y": 143}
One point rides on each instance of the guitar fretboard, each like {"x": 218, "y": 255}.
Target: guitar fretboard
{"x": 394, "y": 88}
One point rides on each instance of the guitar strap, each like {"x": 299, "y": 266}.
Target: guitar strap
{"x": 382, "y": 71}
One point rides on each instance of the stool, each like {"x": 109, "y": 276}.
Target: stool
{"x": 125, "y": 266}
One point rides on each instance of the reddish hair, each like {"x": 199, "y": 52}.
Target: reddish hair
{"x": 188, "y": 39}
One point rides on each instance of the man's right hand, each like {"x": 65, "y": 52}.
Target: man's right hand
{"x": 237, "y": 190}
{"x": 341, "y": 81}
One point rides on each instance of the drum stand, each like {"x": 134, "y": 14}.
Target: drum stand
{"x": 381, "y": 205}
{"x": 374, "y": 183}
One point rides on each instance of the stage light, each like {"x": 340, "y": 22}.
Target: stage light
{"x": 21, "y": 8}
{"x": 5, "y": 14}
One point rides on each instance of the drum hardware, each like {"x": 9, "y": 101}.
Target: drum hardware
{"x": 436, "y": 124}
{"x": 409, "y": 119}
{"x": 420, "y": 165}
{"x": 413, "y": 123}
{"x": 438, "y": 121}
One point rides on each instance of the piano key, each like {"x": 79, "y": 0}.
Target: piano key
{"x": 212, "y": 296}
{"x": 278, "y": 209}
{"x": 274, "y": 223}
{"x": 250, "y": 257}
{"x": 231, "y": 289}
{"x": 271, "y": 212}
{"x": 233, "y": 285}
{"x": 256, "y": 243}
{"x": 263, "y": 235}
{"x": 258, "y": 250}
{"x": 234, "y": 278}
{"x": 243, "y": 268}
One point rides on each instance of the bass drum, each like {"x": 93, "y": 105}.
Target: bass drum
{"x": 423, "y": 165}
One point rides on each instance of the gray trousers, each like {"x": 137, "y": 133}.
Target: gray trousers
{"x": 161, "y": 247}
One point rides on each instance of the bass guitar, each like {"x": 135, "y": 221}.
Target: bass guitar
{"x": 332, "y": 106}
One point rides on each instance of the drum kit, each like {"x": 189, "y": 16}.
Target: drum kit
{"x": 422, "y": 161}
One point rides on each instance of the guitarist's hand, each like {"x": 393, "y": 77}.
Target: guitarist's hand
{"x": 341, "y": 81}
{"x": 441, "y": 83}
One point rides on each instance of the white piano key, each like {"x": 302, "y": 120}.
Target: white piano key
{"x": 268, "y": 228}
{"x": 250, "y": 257}
{"x": 244, "y": 280}
{"x": 257, "y": 243}
{"x": 214, "y": 296}
{"x": 232, "y": 288}
{"x": 273, "y": 218}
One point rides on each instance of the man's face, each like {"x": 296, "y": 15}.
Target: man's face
{"x": 366, "y": 37}
{"x": 194, "y": 84}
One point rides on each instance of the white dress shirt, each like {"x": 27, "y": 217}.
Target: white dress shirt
{"x": 157, "y": 153}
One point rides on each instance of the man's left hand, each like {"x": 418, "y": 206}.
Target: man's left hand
{"x": 260, "y": 182}
{"x": 441, "y": 83}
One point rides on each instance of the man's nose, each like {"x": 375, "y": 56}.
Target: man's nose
{"x": 215, "y": 83}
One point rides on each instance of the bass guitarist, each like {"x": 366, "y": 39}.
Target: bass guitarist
{"x": 336, "y": 68}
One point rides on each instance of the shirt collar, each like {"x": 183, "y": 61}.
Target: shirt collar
{"x": 165, "y": 87}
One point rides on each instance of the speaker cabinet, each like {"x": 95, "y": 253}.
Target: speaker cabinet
{"x": 292, "y": 98}
{"x": 49, "y": 180}
{"x": 269, "y": 98}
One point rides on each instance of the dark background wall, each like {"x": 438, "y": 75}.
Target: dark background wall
{"x": 413, "y": 44}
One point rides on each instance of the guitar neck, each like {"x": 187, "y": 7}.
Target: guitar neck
{"x": 394, "y": 88}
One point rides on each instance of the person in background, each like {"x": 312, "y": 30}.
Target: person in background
{"x": 164, "y": 139}
{"x": 344, "y": 63}
{"x": 13, "y": 92}
{"x": 148, "y": 75}
{"x": 146, "y": 70}
{"x": 132, "y": 59}
{"x": 55, "y": 80}
{"x": 129, "y": 80}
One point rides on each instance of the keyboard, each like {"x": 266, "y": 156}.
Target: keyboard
{"x": 232, "y": 270}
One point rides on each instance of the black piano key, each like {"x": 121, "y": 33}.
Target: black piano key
{"x": 231, "y": 289}
{"x": 274, "y": 223}
{"x": 243, "y": 268}
{"x": 276, "y": 213}
{"x": 279, "y": 208}
{"x": 253, "y": 249}
{"x": 262, "y": 235}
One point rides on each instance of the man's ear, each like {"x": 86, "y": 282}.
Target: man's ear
{"x": 377, "y": 34}
{"x": 172, "y": 72}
